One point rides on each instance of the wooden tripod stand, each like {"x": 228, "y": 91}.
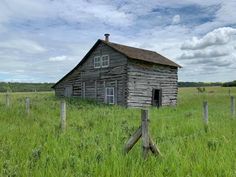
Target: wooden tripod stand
{"x": 142, "y": 131}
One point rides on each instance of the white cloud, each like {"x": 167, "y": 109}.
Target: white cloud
{"x": 23, "y": 9}
{"x": 210, "y": 57}
{"x": 4, "y": 12}
{"x": 96, "y": 11}
{"x": 71, "y": 11}
{"x": 212, "y": 53}
{"x": 23, "y": 45}
{"x": 176, "y": 19}
{"x": 216, "y": 37}
{"x": 4, "y": 72}
{"x": 217, "y": 63}
{"x": 164, "y": 40}
{"x": 226, "y": 14}
{"x": 60, "y": 58}
{"x": 2, "y": 28}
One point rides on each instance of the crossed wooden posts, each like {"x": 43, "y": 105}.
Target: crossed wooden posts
{"x": 142, "y": 131}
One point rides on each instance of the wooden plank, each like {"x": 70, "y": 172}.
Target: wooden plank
{"x": 104, "y": 89}
{"x": 145, "y": 136}
{"x": 154, "y": 149}
{"x": 84, "y": 90}
{"x": 142, "y": 78}
{"x": 27, "y": 105}
{"x": 95, "y": 89}
{"x": 133, "y": 140}
{"x": 205, "y": 115}
{"x": 116, "y": 92}
{"x": 63, "y": 115}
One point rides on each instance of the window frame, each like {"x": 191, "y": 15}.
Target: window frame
{"x": 96, "y": 62}
{"x": 108, "y": 95}
{"x": 108, "y": 61}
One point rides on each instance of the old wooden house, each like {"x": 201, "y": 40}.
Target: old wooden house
{"x": 118, "y": 74}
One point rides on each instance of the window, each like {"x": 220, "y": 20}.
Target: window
{"x": 97, "y": 62}
{"x": 110, "y": 95}
{"x": 105, "y": 61}
{"x": 102, "y": 61}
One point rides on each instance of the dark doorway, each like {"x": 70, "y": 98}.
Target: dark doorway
{"x": 156, "y": 97}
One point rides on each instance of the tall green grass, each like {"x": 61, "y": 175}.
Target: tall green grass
{"x": 34, "y": 146}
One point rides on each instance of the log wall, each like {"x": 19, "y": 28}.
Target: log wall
{"x": 71, "y": 80}
{"x": 95, "y": 80}
{"x": 143, "y": 77}
{"x": 133, "y": 80}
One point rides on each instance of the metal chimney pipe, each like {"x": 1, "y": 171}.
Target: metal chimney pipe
{"x": 107, "y": 37}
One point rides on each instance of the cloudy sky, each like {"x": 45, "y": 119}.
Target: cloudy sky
{"x": 42, "y": 40}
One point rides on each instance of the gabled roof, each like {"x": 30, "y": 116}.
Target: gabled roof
{"x": 129, "y": 52}
{"x": 142, "y": 54}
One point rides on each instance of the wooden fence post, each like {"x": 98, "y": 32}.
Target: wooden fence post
{"x": 232, "y": 105}
{"x": 145, "y": 136}
{"x": 27, "y": 105}
{"x": 142, "y": 131}
{"x": 229, "y": 92}
{"x": 205, "y": 115}
{"x": 7, "y": 100}
{"x": 63, "y": 115}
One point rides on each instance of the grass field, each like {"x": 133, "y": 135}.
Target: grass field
{"x": 92, "y": 145}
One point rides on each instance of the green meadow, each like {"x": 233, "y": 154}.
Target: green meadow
{"x": 34, "y": 146}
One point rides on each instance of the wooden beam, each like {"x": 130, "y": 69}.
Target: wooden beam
{"x": 27, "y": 105}
{"x": 116, "y": 92}
{"x": 63, "y": 115}
{"x": 133, "y": 140}
{"x": 145, "y": 136}
{"x": 155, "y": 150}
{"x": 205, "y": 115}
{"x": 95, "y": 89}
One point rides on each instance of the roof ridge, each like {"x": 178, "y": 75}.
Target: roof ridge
{"x": 129, "y": 46}
{"x": 141, "y": 54}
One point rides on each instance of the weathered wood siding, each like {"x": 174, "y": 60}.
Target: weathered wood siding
{"x": 133, "y": 80}
{"x": 71, "y": 80}
{"x": 97, "y": 79}
{"x": 143, "y": 77}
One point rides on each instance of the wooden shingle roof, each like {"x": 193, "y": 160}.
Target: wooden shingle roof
{"x": 141, "y": 54}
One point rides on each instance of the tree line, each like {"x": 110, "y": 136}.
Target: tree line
{"x": 40, "y": 87}
{"x": 207, "y": 84}
{"x": 25, "y": 87}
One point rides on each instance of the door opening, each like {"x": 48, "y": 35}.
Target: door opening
{"x": 68, "y": 91}
{"x": 157, "y": 97}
